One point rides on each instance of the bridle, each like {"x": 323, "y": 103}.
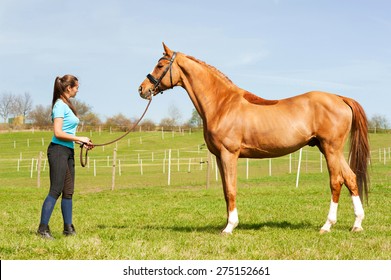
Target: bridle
{"x": 156, "y": 82}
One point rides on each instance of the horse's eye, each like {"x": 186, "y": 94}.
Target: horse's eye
{"x": 159, "y": 66}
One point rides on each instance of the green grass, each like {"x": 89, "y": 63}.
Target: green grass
{"x": 144, "y": 218}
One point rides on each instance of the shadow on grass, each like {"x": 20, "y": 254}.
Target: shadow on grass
{"x": 273, "y": 224}
{"x": 242, "y": 226}
{"x": 113, "y": 226}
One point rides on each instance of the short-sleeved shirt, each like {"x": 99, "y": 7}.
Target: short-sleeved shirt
{"x": 70, "y": 122}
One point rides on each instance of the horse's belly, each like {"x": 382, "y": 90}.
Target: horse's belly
{"x": 270, "y": 149}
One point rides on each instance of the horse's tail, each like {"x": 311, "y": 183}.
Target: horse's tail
{"x": 359, "y": 153}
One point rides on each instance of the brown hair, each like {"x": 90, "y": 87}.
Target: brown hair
{"x": 60, "y": 85}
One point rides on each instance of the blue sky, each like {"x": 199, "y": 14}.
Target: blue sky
{"x": 273, "y": 48}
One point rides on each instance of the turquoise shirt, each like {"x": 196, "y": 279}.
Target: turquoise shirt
{"x": 70, "y": 122}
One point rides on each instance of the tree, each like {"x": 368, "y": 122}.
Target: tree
{"x": 147, "y": 125}
{"x": 174, "y": 114}
{"x": 41, "y": 116}
{"x": 168, "y": 123}
{"x": 173, "y": 119}
{"x": 91, "y": 119}
{"x": 82, "y": 108}
{"x": 120, "y": 121}
{"x": 22, "y": 105}
{"x": 6, "y": 104}
{"x": 195, "y": 120}
{"x": 378, "y": 122}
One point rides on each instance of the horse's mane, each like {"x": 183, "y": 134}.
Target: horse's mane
{"x": 250, "y": 97}
{"x": 214, "y": 69}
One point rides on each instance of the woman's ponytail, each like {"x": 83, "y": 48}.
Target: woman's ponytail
{"x": 60, "y": 85}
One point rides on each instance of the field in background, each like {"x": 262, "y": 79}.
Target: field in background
{"x": 160, "y": 207}
{"x": 145, "y": 156}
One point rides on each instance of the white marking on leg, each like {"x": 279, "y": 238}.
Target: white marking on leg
{"x": 233, "y": 221}
{"x": 358, "y": 212}
{"x": 331, "y": 217}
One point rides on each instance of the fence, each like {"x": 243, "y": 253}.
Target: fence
{"x": 197, "y": 161}
{"x": 142, "y": 157}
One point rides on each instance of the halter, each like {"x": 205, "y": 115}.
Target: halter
{"x": 156, "y": 82}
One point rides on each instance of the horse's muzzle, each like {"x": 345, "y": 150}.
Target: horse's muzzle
{"x": 145, "y": 94}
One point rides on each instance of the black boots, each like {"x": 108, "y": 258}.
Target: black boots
{"x": 44, "y": 231}
{"x": 69, "y": 230}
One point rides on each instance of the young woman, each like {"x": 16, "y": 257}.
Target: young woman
{"x": 61, "y": 155}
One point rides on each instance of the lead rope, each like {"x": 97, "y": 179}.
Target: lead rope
{"x": 83, "y": 163}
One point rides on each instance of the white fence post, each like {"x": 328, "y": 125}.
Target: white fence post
{"x": 32, "y": 168}
{"x": 169, "y": 168}
{"x": 208, "y": 162}
{"x": 298, "y": 168}
{"x": 113, "y": 173}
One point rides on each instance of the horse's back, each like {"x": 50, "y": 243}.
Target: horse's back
{"x": 312, "y": 97}
{"x": 293, "y": 122}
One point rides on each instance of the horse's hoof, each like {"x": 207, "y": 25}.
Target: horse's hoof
{"x": 357, "y": 229}
{"x": 323, "y": 231}
{"x": 226, "y": 233}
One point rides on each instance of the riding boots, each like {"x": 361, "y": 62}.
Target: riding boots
{"x": 44, "y": 231}
{"x": 69, "y": 230}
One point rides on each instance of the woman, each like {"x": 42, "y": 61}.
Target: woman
{"x": 61, "y": 155}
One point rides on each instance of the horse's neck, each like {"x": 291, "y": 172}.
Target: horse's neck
{"x": 206, "y": 89}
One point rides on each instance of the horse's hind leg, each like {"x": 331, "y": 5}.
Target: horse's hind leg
{"x": 351, "y": 184}
{"x": 335, "y": 186}
{"x": 358, "y": 212}
{"x": 340, "y": 173}
{"x": 333, "y": 159}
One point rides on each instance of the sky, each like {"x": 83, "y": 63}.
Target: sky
{"x": 272, "y": 48}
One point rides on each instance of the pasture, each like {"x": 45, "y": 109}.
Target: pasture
{"x": 161, "y": 208}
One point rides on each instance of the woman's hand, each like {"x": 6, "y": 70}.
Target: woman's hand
{"x": 86, "y": 142}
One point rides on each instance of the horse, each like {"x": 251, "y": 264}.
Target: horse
{"x": 239, "y": 124}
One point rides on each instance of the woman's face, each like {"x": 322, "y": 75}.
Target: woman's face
{"x": 72, "y": 91}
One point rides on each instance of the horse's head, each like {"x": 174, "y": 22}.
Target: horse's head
{"x": 162, "y": 77}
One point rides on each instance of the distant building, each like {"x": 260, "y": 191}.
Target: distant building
{"x": 16, "y": 121}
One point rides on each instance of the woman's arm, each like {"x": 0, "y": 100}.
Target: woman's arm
{"x": 60, "y": 134}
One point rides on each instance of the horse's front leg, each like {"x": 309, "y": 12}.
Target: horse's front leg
{"x": 228, "y": 169}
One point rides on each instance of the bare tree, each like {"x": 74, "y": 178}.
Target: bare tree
{"x": 41, "y": 116}
{"x": 81, "y": 108}
{"x": 22, "y": 105}
{"x": 174, "y": 114}
{"x": 147, "y": 125}
{"x": 168, "y": 123}
{"x": 118, "y": 121}
{"x": 378, "y": 122}
{"x": 6, "y": 105}
{"x": 91, "y": 119}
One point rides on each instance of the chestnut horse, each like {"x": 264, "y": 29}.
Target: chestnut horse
{"x": 238, "y": 124}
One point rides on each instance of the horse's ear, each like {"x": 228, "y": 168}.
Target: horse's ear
{"x": 167, "y": 50}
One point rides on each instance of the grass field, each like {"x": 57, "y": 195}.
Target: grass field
{"x": 145, "y": 218}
